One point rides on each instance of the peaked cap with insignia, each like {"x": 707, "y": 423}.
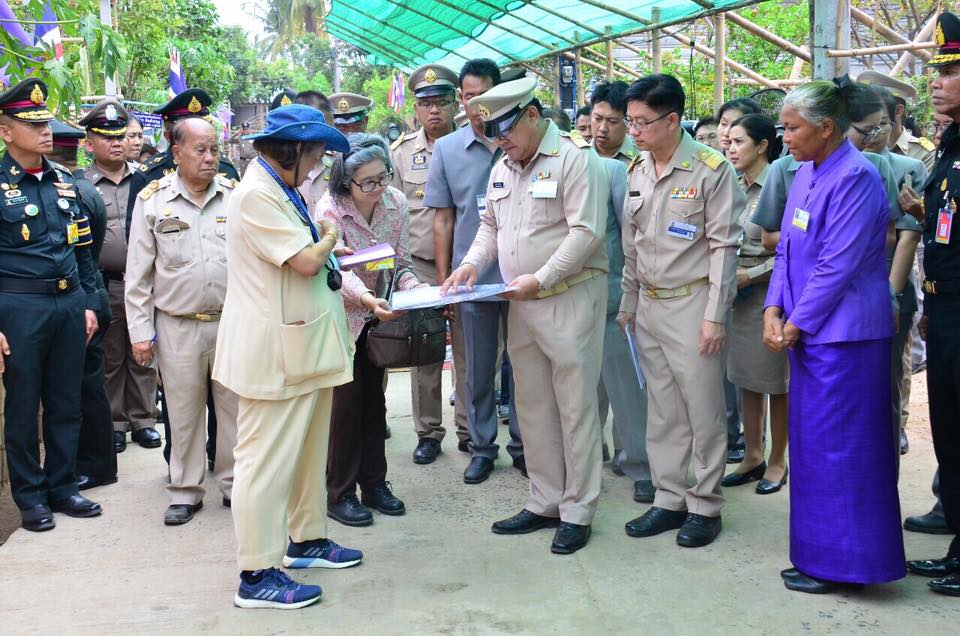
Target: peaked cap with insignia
{"x": 193, "y": 102}
{"x": 283, "y": 98}
{"x": 27, "y": 101}
{"x": 947, "y": 38}
{"x": 433, "y": 79}
{"x": 108, "y": 118}
{"x": 65, "y": 135}
{"x": 500, "y": 106}
{"x": 349, "y": 108}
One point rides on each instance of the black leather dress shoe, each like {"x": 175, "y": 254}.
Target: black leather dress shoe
{"x": 119, "y": 441}
{"x": 524, "y": 522}
{"x": 797, "y": 581}
{"x": 463, "y": 446}
{"x": 227, "y": 502}
{"x": 387, "y": 433}
{"x": 930, "y": 523}
{"x": 569, "y": 538}
{"x": 698, "y": 531}
{"x": 37, "y": 518}
{"x": 655, "y": 521}
{"x": 904, "y": 442}
{"x": 949, "y": 585}
{"x": 643, "y": 491}
{"x": 767, "y": 487}
{"x": 615, "y": 468}
{"x": 520, "y": 463}
{"x": 735, "y": 455}
{"x": 739, "y": 479}
{"x": 85, "y": 482}
{"x": 179, "y": 514}
{"x": 478, "y": 470}
{"x": 350, "y": 512}
{"x": 381, "y": 498}
{"x": 606, "y": 452}
{"x": 426, "y": 451}
{"x": 146, "y": 437}
{"x": 76, "y": 506}
{"x": 935, "y": 567}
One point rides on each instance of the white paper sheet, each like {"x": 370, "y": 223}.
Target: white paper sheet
{"x": 424, "y": 297}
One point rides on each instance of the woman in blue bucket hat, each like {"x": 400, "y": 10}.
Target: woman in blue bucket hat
{"x": 283, "y": 345}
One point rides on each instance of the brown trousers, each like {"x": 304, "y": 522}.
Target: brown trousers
{"x": 357, "y": 426}
{"x": 131, "y": 388}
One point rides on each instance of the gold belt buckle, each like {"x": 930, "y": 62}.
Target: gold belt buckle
{"x": 62, "y": 284}
{"x": 203, "y": 317}
{"x": 929, "y": 287}
{"x": 651, "y": 292}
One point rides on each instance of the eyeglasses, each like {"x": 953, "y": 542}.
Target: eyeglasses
{"x": 369, "y": 185}
{"x": 873, "y": 133}
{"x": 439, "y": 104}
{"x": 935, "y": 128}
{"x": 640, "y": 126}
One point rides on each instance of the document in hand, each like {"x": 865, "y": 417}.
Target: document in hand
{"x": 367, "y": 255}
{"x": 424, "y": 297}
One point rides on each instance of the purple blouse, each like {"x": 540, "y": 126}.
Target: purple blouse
{"x": 830, "y": 275}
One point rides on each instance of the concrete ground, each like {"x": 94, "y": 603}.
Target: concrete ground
{"x": 439, "y": 569}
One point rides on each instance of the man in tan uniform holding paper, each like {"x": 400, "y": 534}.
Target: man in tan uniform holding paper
{"x": 679, "y": 280}
{"x": 175, "y": 287}
{"x": 435, "y": 89}
{"x": 545, "y": 218}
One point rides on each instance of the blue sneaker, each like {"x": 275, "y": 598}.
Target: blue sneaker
{"x": 276, "y": 590}
{"x": 320, "y": 553}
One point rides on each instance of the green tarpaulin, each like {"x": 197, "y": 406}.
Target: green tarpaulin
{"x": 408, "y": 33}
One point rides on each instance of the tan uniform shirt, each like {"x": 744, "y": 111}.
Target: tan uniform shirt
{"x": 113, "y": 256}
{"x": 627, "y": 153}
{"x": 177, "y": 261}
{"x": 281, "y": 334}
{"x": 752, "y": 255}
{"x": 549, "y": 218}
{"x": 917, "y": 147}
{"x": 318, "y": 182}
{"x": 245, "y": 152}
{"x": 411, "y": 156}
{"x": 682, "y": 227}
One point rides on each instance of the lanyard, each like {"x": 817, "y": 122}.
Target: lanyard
{"x": 294, "y": 197}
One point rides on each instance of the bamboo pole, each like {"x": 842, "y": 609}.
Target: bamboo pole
{"x": 769, "y": 36}
{"x": 657, "y": 50}
{"x": 924, "y": 33}
{"x": 719, "y": 55}
{"x": 739, "y": 68}
{"x": 874, "y": 50}
{"x": 609, "y": 46}
{"x": 640, "y": 52}
{"x": 580, "y": 92}
{"x": 888, "y": 33}
{"x": 592, "y": 64}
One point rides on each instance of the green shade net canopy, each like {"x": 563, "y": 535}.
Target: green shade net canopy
{"x": 409, "y": 33}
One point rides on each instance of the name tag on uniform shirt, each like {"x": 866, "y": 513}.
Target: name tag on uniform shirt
{"x": 544, "y": 189}
{"x": 481, "y": 203}
{"x": 801, "y": 218}
{"x": 682, "y": 230}
{"x": 944, "y": 226}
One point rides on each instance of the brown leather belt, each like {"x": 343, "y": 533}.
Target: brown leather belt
{"x": 752, "y": 261}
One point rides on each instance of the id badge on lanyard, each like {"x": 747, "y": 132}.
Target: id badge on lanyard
{"x": 945, "y": 221}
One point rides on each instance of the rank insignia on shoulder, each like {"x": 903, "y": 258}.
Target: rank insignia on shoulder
{"x": 926, "y": 144}
{"x": 149, "y": 190}
{"x": 398, "y": 142}
{"x": 579, "y": 141}
{"x": 710, "y": 158}
{"x": 636, "y": 162}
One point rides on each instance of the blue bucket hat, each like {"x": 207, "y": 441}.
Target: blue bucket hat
{"x": 298, "y": 122}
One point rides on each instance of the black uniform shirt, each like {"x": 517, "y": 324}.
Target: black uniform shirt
{"x": 942, "y": 262}
{"x": 91, "y": 204}
{"x": 35, "y": 214}
{"x": 158, "y": 167}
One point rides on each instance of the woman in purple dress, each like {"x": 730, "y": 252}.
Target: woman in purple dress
{"x": 829, "y": 304}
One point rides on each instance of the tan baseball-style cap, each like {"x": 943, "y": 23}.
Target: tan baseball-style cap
{"x": 899, "y": 89}
{"x": 502, "y": 105}
{"x": 433, "y": 79}
{"x": 349, "y": 108}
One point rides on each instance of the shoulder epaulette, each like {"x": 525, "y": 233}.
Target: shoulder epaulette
{"x": 401, "y": 139}
{"x": 634, "y": 163}
{"x": 926, "y": 144}
{"x": 710, "y": 158}
{"x": 149, "y": 190}
{"x": 579, "y": 141}
{"x": 59, "y": 167}
{"x": 226, "y": 181}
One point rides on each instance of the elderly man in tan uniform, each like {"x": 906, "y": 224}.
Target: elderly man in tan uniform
{"x": 545, "y": 218}
{"x": 435, "y": 88}
{"x": 131, "y": 388}
{"x": 679, "y": 279}
{"x": 175, "y": 287}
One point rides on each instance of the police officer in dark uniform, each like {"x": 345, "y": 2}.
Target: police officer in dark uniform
{"x": 940, "y": 324}
{"x": 48, "y": 299}
{"x": 96, "y": 457}
{"x": 193, "y": 102}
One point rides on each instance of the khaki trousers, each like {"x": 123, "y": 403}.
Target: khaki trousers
{"x": 425, "y": 382}
{"x": 280, "y": 487}
{"x": 186, "y": 350}
{"x": 131, "y": 387}
{"x": 555, "y": 346}
{"x": 686, "y": 415}
{"x": 459, "y": 377}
